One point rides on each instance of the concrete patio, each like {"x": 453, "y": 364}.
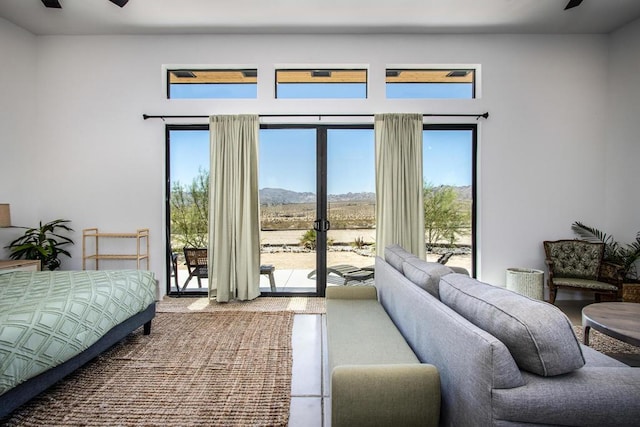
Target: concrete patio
{"x": 287, "y": 280}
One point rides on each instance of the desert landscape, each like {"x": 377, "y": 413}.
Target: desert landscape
{"x": 287, "y": 239}
{"x": 282, "y": 249}
{"x": 287, "y": 216}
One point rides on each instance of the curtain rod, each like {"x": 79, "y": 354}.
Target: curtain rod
{"x": 319, "y": 116}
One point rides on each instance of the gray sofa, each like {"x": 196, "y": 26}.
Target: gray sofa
{"x": 503, "y": 359}
{"x": 376, "y": 379}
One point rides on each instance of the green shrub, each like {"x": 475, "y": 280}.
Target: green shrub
{"x": 308, "y": 239}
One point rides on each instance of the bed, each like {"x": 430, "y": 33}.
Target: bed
{"x": 51, "y": 323}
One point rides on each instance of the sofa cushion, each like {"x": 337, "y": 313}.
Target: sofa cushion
{"x": 425, "y": 274}
{"x": 538, "y": 335}
{"x": 396, "y": 255}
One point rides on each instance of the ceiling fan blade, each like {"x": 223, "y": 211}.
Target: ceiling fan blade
{"x": 52, "y": 3}
{"x": 56, "y": 3}
{"x": 572, "y": 4}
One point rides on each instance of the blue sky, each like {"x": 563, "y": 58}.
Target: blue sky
{"x": 207, "y": 91}
{"x": 323, "y": 90}
{"x": 287, "y": 158}
{"x": 447, "y": 157}
{"x": 189, "y": 152}
{"x": 429, "y": 91}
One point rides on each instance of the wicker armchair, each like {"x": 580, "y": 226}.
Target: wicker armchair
{"x": 579, "y": 265}
{"x": 196, "y": 260}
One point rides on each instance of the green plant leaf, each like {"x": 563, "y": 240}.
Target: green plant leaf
{"x": 614, "y": 252}
{"x": 42, "y": 243}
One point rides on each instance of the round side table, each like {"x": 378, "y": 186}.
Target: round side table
{"x": 620, "y": 320}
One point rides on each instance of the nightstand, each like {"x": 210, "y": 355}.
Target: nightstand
{"x": 19, "y": 265}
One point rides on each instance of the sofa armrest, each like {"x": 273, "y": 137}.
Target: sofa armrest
{"x": 352, "y": 292}
{"x": 459, "y": 270}
{"x": 397, "y": 394}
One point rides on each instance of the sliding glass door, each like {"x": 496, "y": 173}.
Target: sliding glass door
{"x": 187, "y": 205}
{"x": 317, "y": 200}
{"x": 317, "y": 203}
{"x": 288, "y": 209}
{"x": 449, "y": 153}
{"x": 351, "y": 205}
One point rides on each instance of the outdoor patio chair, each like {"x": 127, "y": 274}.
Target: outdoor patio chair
{"x": 196, "y": 260}
{"x": 348, "y": 272}
{"x": 444, "y": 258}
{"x": 579, "y": 265}
{"x": 174, "y": 268}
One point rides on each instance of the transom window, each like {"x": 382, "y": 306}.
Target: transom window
{"x": 321, "y": 83}
{"x": 193, "y": 84}
{"x": 429, "y": 84}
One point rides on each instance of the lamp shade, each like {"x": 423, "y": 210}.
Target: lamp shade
{"x": 5, "y": 215}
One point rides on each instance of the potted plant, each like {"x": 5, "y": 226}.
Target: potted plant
{"x": 624, "y": 256}
{"x": 43, "y": 243}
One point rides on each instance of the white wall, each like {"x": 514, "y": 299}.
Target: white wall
{"x": 18, "y": 150}
{"x": 623, "y": 137}
{"x": 540, "y": 152}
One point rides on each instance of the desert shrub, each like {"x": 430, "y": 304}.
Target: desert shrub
{"x": 358, "y": 242}
{"x": 308, "y": 239}
{"x": 190, "y": 212}
{"x": 446, "y": 218}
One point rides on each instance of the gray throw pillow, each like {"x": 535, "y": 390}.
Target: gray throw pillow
{"x": 396, "y": 255}
{"x": 538, "y": 335}
{"x": 425, "y": 274}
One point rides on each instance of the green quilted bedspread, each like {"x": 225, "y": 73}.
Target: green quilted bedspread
{"x": 46, "y": 318}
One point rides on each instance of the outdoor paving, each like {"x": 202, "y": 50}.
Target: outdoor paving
{"x": 286, "y": 279}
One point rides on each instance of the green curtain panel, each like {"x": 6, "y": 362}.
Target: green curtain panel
{"x": 234, "y": 213}
{"x": 399, "y": 197}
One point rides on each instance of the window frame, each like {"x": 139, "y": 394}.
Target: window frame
{"x": 323, "y": 128}
{"x": 469, "y": 69}
{"x": 317, "y": 70}
{"x": 474, "y": 180}
{"x": 169, "y": 72}
{"x": 167, "y": 198}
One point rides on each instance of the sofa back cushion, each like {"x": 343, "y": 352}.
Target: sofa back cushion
{"x": 538, "y": 335}
{"x": 425, "y": 274}
{"x": 396, "y": 255}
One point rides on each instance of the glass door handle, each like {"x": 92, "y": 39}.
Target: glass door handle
{"x": 321, "y": 225}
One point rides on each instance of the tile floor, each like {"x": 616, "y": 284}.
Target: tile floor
{"x": 309, "y": 380}
{"x": 310, "y": 403}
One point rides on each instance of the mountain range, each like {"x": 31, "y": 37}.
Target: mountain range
{"x": 279, "y": 196}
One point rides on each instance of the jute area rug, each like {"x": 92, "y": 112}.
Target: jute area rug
{"x": 605, "y": 344}
{"x": 299, "y": 305}
{"x": 226, "y": 368}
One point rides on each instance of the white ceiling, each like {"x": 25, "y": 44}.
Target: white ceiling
{"x": 319, "y": 16}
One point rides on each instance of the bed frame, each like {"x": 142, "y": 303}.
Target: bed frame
{"x": 29, "y": 389}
